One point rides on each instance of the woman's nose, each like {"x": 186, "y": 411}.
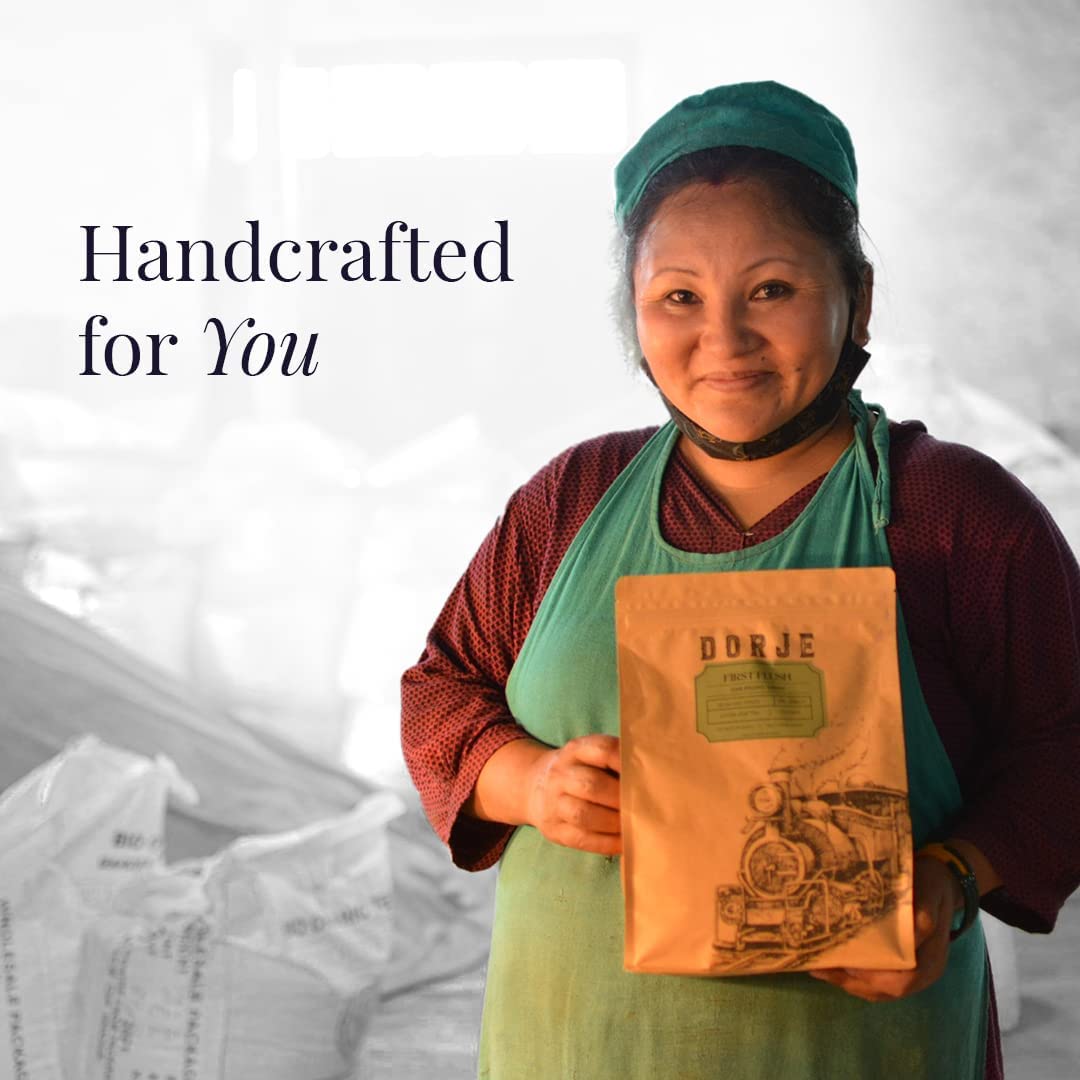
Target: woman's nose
{"x": 726, "y": 331}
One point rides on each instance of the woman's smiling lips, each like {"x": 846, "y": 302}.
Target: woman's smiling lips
{"x": 735, "y": 380}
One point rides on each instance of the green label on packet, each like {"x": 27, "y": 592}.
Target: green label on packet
{"x": 758, "y": 699}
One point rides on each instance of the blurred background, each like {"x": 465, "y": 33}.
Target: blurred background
{"x": 283, "y": 544}
{"x": 286, "y": 542}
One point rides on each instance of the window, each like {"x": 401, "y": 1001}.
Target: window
{"x": 447, "y": 109}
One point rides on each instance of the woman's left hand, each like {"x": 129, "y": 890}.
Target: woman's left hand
{"x": 937, "y": 896}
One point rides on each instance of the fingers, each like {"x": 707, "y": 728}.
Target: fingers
{"x": 933, "y": 954}
{"x": 868, "y": 985}
{"x": 588, "y": 768}
{"x": 600, "y": 751}
{"x": 578, "y": 795}
{"x": 594, "y": 843}
{"x": 591, "y": 785}
{"x": 872, "y": 985}
{"x": 876, "y": 985}
{"x": 925, "y": 923}
{"x": 587, "y": 816}
{"x": 936, "y": 896}
{"x": 584, "y": 826}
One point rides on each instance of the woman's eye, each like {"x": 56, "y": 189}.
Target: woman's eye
{"x": 681, "y": 296}
{"x": 771, "y": 290}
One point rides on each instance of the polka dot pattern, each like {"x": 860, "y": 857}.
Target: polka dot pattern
{"x": 991, "y": 598}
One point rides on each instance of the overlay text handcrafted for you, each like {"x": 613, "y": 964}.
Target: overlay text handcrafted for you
{"x": 402, "y": 253}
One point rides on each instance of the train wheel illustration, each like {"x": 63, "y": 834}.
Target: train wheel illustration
{"x": 730, "y": 918}
{"x": 870, "y": 889}
{"x": 731, "y": 906}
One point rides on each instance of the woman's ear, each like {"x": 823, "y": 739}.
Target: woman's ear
{"x": 860, "y": 329}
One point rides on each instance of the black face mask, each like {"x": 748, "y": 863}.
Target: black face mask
{"x": 821, "y": 411}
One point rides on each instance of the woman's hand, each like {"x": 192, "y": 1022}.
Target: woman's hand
{"x": 574, "y": 795}
{"x": 937, "y": 897}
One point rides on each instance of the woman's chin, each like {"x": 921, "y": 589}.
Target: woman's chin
{"x": 736, "y": 421}
{"x": 733, "y": 430}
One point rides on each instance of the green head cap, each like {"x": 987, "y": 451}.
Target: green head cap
{"x": 765, "y": 115}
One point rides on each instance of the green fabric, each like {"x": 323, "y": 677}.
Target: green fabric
{"x": 558, "y": 1004}
{"x": 766, "y": 115}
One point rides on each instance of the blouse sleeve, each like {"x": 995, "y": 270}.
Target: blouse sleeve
{"x": 1015, "y": 620}
{"x": 454, "y": 712}
{"x": 454, "y": 707}
{"x": 453, "y": 702}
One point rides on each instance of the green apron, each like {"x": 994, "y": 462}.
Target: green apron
{"x": 558, "y": 1004}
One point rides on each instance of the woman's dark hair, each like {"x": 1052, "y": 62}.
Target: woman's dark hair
{"x": 806, "y": 197}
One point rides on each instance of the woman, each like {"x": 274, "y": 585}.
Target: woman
{"x": 751, "y": 299}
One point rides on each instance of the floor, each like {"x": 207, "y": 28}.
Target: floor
{"x": 1046, "y": 1044}
{"x": 432, "y": 1034}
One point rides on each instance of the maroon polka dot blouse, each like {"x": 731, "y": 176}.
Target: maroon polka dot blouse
{"x": 991, "y": 598}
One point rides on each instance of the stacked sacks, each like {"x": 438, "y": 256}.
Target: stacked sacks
{"x": 264, "y": 961}
{"x": 72, "y": 834}
{"x": 61, "y": 679}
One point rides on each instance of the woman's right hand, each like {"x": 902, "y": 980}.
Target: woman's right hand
{"x": 573, "y": 795}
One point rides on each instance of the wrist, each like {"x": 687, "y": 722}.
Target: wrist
{"x": 985, "y": 874}
{"x": 504, "y": 790}
{"x": 534, "y": 781}
{"x": 965, "y": 886}
{"x": 956, "y": 891}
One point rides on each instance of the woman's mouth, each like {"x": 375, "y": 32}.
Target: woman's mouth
{"x": 735, "y": 380}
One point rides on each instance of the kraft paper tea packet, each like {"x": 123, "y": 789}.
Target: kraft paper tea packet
{"x": 764, "y": 788}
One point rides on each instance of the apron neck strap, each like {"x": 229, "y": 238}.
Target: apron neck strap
{"x": 872, "y": 423}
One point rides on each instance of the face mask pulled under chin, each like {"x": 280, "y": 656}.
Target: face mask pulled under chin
{"x": 821, "y": 411}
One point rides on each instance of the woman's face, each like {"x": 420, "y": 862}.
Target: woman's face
{"x": 740, "y": 315}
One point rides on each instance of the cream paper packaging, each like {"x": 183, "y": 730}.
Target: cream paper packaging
{"x": 764, "y": 799}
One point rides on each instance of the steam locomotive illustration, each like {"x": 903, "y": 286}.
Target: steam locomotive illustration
{"x": 813, "y": 869}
